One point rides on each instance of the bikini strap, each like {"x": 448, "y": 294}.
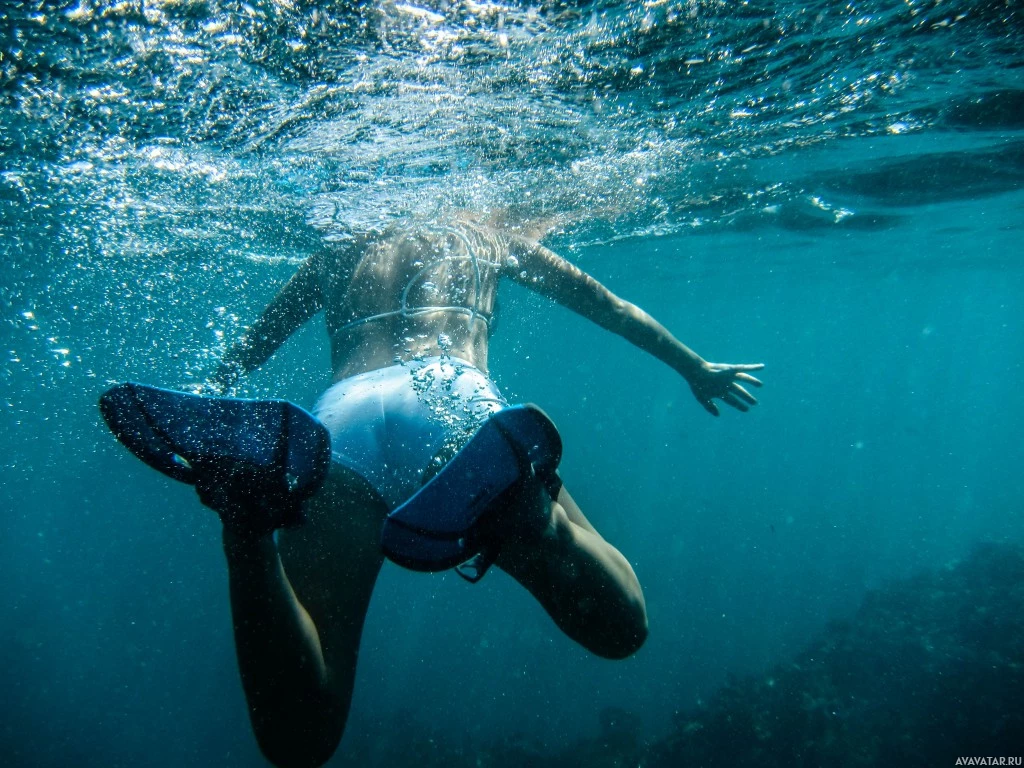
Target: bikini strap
{"x": 405, "y": 310}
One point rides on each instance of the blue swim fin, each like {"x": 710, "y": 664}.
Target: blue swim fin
{"x": 253, "y": 461}
{"x": 450, "y": 520}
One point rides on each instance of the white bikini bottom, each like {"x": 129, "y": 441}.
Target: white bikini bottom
{"x": 393, "y": 424}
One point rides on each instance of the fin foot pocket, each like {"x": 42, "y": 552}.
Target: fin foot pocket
{"x": 460, "y": 516}
{"x": 253, "y": 461}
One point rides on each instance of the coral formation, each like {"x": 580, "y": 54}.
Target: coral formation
{"x": 928, "y": 670}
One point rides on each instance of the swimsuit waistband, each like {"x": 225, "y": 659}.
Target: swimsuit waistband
{"x": 413, "y": 366}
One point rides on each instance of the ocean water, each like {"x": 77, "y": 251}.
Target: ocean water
{"x": 833, "y": 190}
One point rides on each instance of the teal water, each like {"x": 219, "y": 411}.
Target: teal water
{"x": 836, "y": 192}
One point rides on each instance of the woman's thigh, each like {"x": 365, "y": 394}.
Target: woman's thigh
{"x": 332, "y": 563}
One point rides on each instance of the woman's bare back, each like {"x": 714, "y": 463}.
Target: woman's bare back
{"x": 426, "y": 290}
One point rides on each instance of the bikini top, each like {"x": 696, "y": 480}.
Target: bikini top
{"x": 474, "y": 310}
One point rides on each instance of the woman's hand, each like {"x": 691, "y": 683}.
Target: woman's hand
{"x": 220, "y": 383}
{"x": 722, "y": 380}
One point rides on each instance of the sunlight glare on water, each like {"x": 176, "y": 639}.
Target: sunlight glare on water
{"x": 347, "y": 113}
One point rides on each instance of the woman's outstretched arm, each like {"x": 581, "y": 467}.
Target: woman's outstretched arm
{"x": 547, "y": 273}
{"x": 294, "y": 304}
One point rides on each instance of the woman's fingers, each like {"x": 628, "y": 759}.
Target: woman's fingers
{"x": 749, "y": 379}
{"x": 730, "y": 399}
{"x": 729, "y": 376}
{"x": 744, "y": 393}
{"x": 736, "y": 366}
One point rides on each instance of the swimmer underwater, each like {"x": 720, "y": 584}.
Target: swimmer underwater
{"x": 312, "y": 505}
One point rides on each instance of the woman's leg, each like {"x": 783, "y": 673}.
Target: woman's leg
{"x": 583, "y": 582}
{"x": 297, "y": 633}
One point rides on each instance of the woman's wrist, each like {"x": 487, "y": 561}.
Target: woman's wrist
{"x": 688, "y": 363}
